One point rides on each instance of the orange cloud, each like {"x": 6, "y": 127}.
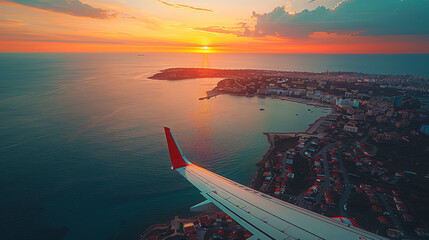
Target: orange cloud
{"x": 184, "y": 6}
{"x": 70, "y": 7}
{"x": 11, "y": 22}
{"x": 241, "y": 29}
{"x": 333, "y": 35}
{"x": 219, "y": 29}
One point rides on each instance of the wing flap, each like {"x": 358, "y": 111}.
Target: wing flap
{"x": 238, "y": 216}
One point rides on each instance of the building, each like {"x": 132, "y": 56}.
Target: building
{"x": 351, "y": 128}
{"x": 388, "y": 137}
{"x": 382, "y": 220}
{"x": 393, "y": 233}
{"x": 407, "y": 217}
{"x": 347, "y": 102}
{"x": 279, "y": 92}
{"x": 204, "y": 221}
{"x": 261, "y": 91}
{"x": 375, "y": 208}
{"x": 190, "y": 230}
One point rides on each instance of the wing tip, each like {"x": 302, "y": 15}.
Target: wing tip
{"x": 178, "y": 160}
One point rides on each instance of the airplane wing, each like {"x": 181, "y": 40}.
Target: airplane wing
{"x": 263, "y": 215}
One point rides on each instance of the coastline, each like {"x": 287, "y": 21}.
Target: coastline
{"x": 290, "y": 139}
{"x": 286, "y": 98}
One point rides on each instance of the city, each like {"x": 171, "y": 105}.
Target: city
{"x": 365, "y": 161}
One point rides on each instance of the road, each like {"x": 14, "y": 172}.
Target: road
{"x": 374, "y": 148}
{"x": 395, "y": 219}
{"x": 327, "y": 181}
{"x": 305, "y": 148}
{"x": 348, "y": 187}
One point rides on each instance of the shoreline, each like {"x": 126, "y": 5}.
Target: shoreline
{"x": 285, "y": 98}
{"x": 289, "y": 137}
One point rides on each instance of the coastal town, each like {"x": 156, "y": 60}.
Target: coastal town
{"x": 365, "y": 163}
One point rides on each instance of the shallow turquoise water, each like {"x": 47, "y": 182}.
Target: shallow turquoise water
{"x": 82, "y": 150}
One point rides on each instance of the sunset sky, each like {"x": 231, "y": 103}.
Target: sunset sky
{"x": 271, "y": 26}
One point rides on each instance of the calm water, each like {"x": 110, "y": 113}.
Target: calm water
{"x": 82, "y": 150}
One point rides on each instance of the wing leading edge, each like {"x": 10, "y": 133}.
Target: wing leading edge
{"x": 263, "y": 215}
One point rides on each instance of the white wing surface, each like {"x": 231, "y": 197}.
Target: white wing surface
{"x": 263, "y": 215}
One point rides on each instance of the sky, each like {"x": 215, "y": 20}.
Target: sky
{"x": 236, "y": 26}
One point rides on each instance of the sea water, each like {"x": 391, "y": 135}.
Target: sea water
{"x": 82, "y": 148}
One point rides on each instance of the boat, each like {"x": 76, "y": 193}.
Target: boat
{"x": 261, "y": 109}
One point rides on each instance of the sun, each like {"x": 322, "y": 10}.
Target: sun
{"x": 202, "y": 49}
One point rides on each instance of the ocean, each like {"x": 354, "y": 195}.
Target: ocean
{"x": 82, "y": 148}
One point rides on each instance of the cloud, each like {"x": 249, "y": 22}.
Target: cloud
{"x": 242, "y": 29}
{"x": 184, "y": 6}
{"x": 333, "y": 35}
{"x": 358, "y": 17}
{"x": 11, "y": 22}
{"x": 218, "y": 29}
{"x": 70, "y": 7}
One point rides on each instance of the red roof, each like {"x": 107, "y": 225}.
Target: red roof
{"x": 190, "y": 229}
{"x": 407, "y": 217}
{"x": 376, "y": 208}
{"x": 154, "y": 237}
{"x": 192, "y": 237}
{"x": 233, "y": 235}
{"x": 204, "y": 220}
{"x": 382, "y": 219}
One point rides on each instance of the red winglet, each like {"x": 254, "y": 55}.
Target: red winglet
{"x": 346, "y": 220}
{"x": 178, "y": 160}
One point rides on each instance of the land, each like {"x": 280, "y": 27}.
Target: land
{"x": 208, "y": 225}
{"x": 367, "y": 160}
